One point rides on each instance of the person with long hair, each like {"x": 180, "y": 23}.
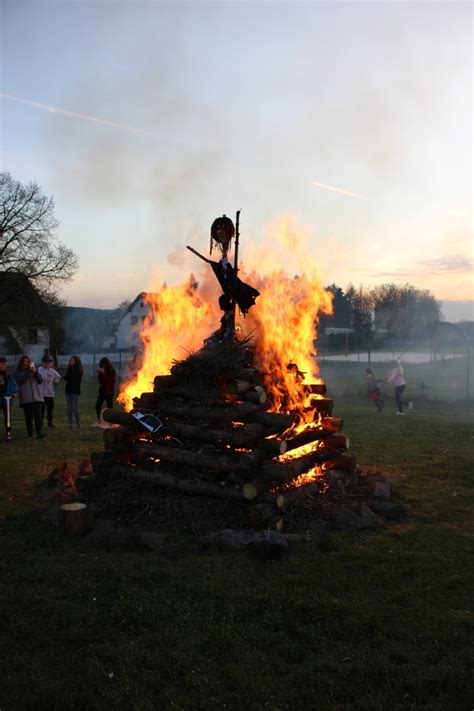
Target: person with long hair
{"x": 396, "y": 376}
{"x": 30, "y": 393}
{"x": 51, "y": 378}
{"x": 106, "y": 378}
{"x": 73, "y": 378}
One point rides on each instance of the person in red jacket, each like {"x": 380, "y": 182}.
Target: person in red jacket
{"x": 106, "y": 377}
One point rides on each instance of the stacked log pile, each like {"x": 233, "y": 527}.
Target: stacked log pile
{"x": 219, "y": 438}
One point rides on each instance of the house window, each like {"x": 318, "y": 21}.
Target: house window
{"x": 134, "y": 320}
{"x": 32, "y": 335}
{"x": 143, "y": 318}
{"x": 142, "y": 304}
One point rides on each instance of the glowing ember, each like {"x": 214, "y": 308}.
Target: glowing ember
{"x": 307, "y": 478}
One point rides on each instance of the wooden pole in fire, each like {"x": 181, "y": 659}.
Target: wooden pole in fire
{"x": 236, "y": 258}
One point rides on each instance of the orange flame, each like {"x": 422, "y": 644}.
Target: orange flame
{"x": 283, "y": 322}
{"x": 178, "y": 323}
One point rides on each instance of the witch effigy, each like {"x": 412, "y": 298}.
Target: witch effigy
{"x": 235, "y": 292}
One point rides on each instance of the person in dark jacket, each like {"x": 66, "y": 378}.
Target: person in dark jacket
{"x": 8, "y": 389}
{"x": 73, "y": 378}
{"x": 106, "y": 377}
{"x": 30, "y": 392}
{"x": 373, "y": 387}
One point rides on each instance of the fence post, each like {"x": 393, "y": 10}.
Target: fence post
{"x": 468, "y": 372}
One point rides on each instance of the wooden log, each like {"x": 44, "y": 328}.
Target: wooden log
{"x": 337, "y": 441}
{"x": 315, "y": 388}
{"x": 253, "y": 489}
{"x": 72, "y": 519}
{"x": 197, "y": 433}
{"x": 210, "y": 463}
{"x": 331, "y": 424}
{"x": 322, "y": 405}
{"x": 237, "y": 436}
{"x": 275, "y": 422}
{"x": 173, "y": 483}
{"x": 248, "y": 432}
{"x": 310, "y": 434}
{"x": 115, "y": 435}
{"x": 290, "y": 469}
{"x": 314, "y": 434}
{"x": 125, "y": 419}
{"x": 252, "y": 375}
{"x": 253, "y": 458}
{"x": 197, "y": 393}
{"x": 273, "y": 446}
{"x": 283, "y": 473}
{"x": 160, "y": 381}
{"x": 277, "y": 499}
{"x": 263, "y": 515}
{"x": 257, "y": 396}
{"x": 343, "y": 462}
{"x": 245, "y": 410}
{"x": 238, "y": 386}
{"x": 211, "y": 413}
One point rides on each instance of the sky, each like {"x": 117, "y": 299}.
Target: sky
{"x": 146, "y": 120}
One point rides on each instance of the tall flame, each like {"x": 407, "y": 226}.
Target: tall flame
{"x": 283, "y": 322}
{"x": 179, "y": 320}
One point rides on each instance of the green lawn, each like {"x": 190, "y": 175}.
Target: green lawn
{"x": 380, "y": 621}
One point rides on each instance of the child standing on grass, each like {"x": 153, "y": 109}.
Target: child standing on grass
{"x": 29, "y": 383}
{"x": 106, "y": 378}
{"x": 396, "y": 376}
{"x": 51, "y": 378}
{"x": 73, "y": 378}
{"x": 8, "y": 389}
{"x": 374, "y": 390}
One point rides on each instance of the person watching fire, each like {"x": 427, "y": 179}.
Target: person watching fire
{"x": 30, "y": 391}
{"x": 106, "y": 378}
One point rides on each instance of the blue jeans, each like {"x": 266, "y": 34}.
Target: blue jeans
{"x": 72, "y": 402}
{"x": 398, "y": 397}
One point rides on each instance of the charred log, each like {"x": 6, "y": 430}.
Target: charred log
{"x": 211, "y": 463}
{"x": 173, "y": 483}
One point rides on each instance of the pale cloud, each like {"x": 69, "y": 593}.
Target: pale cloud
{"x": 454, "y": 263}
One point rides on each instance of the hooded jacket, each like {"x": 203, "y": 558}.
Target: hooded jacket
{"x": 29, "y": 386}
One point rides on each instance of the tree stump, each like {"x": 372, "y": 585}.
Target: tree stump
{"x": 72, "y": 519}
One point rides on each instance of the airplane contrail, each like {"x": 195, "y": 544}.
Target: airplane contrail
{"x": 339, "y": 190}
{"x": 80, "y": 117}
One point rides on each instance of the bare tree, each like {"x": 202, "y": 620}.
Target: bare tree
{"x": 403, "y": 310}
{"x": 27, "y": 242}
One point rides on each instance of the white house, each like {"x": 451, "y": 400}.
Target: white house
{"x": 132, "y": 323}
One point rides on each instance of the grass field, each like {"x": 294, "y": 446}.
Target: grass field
{"x": 379, "y": 621}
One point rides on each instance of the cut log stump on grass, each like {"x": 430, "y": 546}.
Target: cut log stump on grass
{"x": 72, "y": 519}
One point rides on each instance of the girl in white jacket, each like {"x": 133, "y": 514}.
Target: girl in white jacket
{"x": 51, "y": 378}
{"x": 396, "y": 376}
